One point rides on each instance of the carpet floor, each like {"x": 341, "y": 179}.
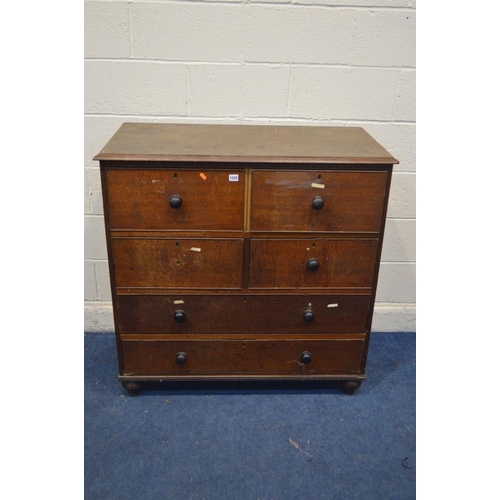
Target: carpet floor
{"x": 255, "y": 441}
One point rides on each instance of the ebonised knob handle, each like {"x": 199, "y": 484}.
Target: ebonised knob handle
{"x": 318, "y": 203}
{"x": 313, "y": 264}
{"x": 180, "y": 358}
{"x": 306, "y": 357}
{"x": 179, "y": 316}
{"x": 308, "y": 316}
{"x": 175, "y": 201}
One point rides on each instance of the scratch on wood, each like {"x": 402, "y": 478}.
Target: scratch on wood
{"x": 295, "y": 361}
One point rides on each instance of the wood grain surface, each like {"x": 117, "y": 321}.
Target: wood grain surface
{"x": 177, "y": 263}
{"x": 243, "y": 143}
{"x": 332, "y": 356}
{"x": 282, "y": 201}
{"x": 283, "y": 263}
{"x": 244, "y": 314}
{"x": 139, "y": 199}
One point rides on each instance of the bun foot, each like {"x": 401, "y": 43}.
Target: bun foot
{"x": 350, "y": 386}
{"x": 132, "y": 388}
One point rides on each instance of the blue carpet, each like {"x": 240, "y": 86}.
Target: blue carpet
{"x": 252, "y": 440}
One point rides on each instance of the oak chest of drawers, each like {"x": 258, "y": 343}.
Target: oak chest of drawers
{"x": 243, "y": 252}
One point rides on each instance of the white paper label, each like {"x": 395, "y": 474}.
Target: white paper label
{"x": 234, "y": 177}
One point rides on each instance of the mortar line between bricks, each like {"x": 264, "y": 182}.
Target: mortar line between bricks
{"x": 398, "y": 262}
{"x": 130, "y": 39}
{"x": 266, "y": 4}
{"x": 188, "y": 91}
{"x": 320, "y": 5}
{"x": 395, "y": 97}
{"x": 351, "y": 121}
{"x": 289, "y": 100}
{"x": 250, "y": 63}
{"x": 401, "y": 218}
{"x": 96, "y": 289}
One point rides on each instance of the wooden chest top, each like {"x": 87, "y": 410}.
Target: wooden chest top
{"x": 243, "y": 143}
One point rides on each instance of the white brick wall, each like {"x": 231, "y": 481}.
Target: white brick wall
{"x": 326, "y": 62}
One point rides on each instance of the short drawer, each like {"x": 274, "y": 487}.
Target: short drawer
{"x": 175, "y": 199}
{"x": 178, "y": 263}
{"x": 243, "y": 314}
{"x": 342, "y": 201}
{"x": 287, "y": 357}
{"x": 319, "y": 263}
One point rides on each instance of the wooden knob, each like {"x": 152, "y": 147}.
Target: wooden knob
{"x": 306, "y": 357}
{"x": 312, "y": 264}
{"x": 308, "y": 316}
{"x": 175, "y": 201}
{"x": 179, "y": 316}
{"x": 181, "y": 358}
{"x": 318, "y": 203}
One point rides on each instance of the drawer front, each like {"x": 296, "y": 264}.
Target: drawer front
{"x": 250, "y": 314}
{"x": 235, "y": 357}
{"x": 178, "y": 263}
{"x": 348, "y": 201}
{"x": 289, "y": 263}
{"x": 140, "y": 199}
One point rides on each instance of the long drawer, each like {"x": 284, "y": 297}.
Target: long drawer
{"x": 202, "y": 356}
{"x": 245, "y": 314}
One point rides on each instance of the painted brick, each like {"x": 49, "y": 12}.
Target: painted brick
{"x": 98, "y": 130}
{"x": 95, "y": 191}
{"x": 106, "y": 29}
{"x": 341, "y": 93}
{"x": 405, "y": 102}
{"x": 399, "y": 139}
{"x": 180, "y": 31}
{"x": 354, "y": 3}
{"x": 87, "y": 207}
{"x": 333, "y": 36}
{"x": 102, "y": 279}
{"x": 397, "y": 283}
{"x": 402, "y": 198}
{"x": 294, "y": 122}
{"x": 391, "y": 317}
{"x": 271, "y": 1}
{"x": 139, "y": 88}
{"x": 95, "y": 239}
{"x": 399, "y": 241}
{"x": 90, "y": 291}
{"x": 265, "y": 90}
{"x": 215, "y": 90}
